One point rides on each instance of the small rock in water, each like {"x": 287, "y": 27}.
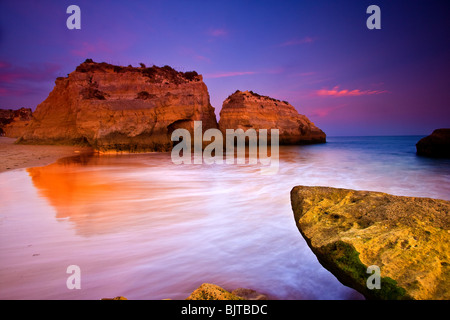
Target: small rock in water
{"x": 209, "y": 291}
{"x": 436, "y": 145}
{"x": 115, "y": 298}
{"x": 249, "y": 294}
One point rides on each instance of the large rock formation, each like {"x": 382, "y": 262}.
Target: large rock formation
{"x": 435, "y": 145}
{"x": 245, "y": 110}
{"x": 121, "y": 108}
{"x": 407, "y": 238}
{"x": 14, "y": 122}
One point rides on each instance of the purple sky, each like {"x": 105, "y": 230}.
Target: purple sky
{"x": 318, "y": 55}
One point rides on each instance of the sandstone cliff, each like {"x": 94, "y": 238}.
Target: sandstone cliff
{"x": 121, "y": 108}
{"x": 435, "y": 145}
{"x": 407, "y": 238}
{"x": 14, "y": 122}
{"x": 245, "y": 110}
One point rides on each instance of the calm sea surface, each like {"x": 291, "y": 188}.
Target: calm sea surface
{"x": 144, "y": 228}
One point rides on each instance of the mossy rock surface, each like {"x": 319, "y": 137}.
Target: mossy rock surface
{"x": 208, "y": 291}
{"x": 408, "y": 238}
{"x": 345, "y": 262}
{"x": 115, "y": 298}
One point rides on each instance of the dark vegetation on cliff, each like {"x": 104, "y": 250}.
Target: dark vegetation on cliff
{"x": 239, "y": 94}
{"x": 8, "y": 116}
{"x": 155, "y": 74}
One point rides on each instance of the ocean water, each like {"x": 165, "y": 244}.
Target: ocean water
{"x": 144, "y": 228}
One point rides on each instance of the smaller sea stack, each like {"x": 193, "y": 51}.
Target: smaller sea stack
{"x": 248, "y": 110}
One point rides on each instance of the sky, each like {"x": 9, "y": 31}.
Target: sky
{"x": 317, "y": 55}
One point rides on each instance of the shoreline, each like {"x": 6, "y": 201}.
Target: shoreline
{"x": 17, "y": 156}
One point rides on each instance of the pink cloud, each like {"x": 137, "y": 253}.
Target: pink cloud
{"x": 274, "y": 70}
{"x": 36, "y": 72}
{"x": 307, "y": 74}
{"x": 189, "y": 52}
{"x": 18, "y": 91}
{"x": 201, "y": 58}
{"x": 294, "y": 42}
{"x": 87, "y": 49}
{"x": 26, "y": 79}
{"x": 303, "y": 74}
{"x": 325, "y": 111}
{"x": 217, "y": 32}
{"x": 229, "y": 74}
{"x": 335, "y": 92}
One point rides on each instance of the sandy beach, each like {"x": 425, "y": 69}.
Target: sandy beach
{"x": 14, "y": 156}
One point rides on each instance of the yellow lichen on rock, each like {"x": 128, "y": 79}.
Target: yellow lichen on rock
{"x": 208, "y": 291}
{"x": 115, "y": 298}
{"x": 407, "y": 237}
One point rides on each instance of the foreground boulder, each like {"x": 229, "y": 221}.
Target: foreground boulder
{"x": 209, "y": 291}
{"x": 245, "y": 110}
{"x": 14, "y": 122}
{"x": 407, "y": 238}
{"x": 435, "y": 145}
{"x": 121, "y": 108}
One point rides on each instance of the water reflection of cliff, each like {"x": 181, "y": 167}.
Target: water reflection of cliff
{"x": 97, "y": 194}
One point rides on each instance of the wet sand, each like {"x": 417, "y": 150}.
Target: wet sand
{"x": 14, "y": 156}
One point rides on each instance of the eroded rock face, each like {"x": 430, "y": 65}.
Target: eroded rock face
{"x": 14, "y": 122}
{"x": 245, "y": 110}
{"x": 121, "y": 108}
{"x": 407, "y": 238}
{"x": 435, "y": 145}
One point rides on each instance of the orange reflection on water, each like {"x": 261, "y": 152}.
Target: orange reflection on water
{"x": 98, "y": 197}
{"x": 67, "y": 188}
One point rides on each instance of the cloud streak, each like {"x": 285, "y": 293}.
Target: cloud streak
{"x": 335, "y": 92}
{"x": 26, "y": 80}
{"x": 189, "y": 52}
{"x": 217, "y": 32}
{"x": 325, "y": 111}
{"x": 12, "y": 73}
{"x": 295, "y": 42}
{"x": 229, "y": 74}
{"x": 85, "y": 49}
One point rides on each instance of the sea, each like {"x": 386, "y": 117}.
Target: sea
{"x": 142, "y": 227}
